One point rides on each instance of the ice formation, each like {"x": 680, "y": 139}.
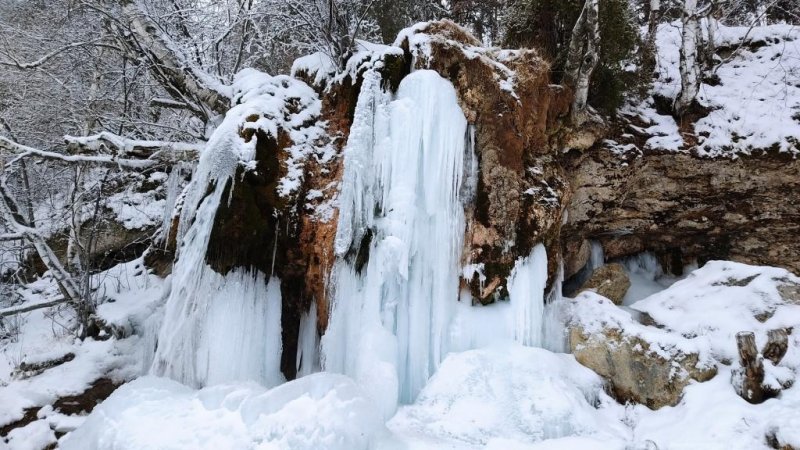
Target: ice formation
{"x": 409, "y": 166}
{"x": 223, "y": 328}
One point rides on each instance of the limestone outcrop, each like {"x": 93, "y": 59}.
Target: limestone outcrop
{"x": 684, "y": 207}
{"x": 640, "y": 363}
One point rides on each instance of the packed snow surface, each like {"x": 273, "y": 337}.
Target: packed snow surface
{"x": 321, "y": 411}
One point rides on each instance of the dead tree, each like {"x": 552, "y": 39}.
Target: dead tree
{"x": 749, "y": 378}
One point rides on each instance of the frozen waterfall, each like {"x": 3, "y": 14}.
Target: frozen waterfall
{"x": 408, "y": 165}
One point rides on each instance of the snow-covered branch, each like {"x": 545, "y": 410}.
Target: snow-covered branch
{"x": 182, "y": 79}
{"x": 145, "y": 153}
{"x": 34, "y": 64}
{"x": 12, "y": 218}
{"x": 162, "y": 151}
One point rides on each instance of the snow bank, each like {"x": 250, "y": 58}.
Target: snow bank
{"x": 720, "y": 299}
{"x": 509, "y": 396}
{"x": 315, "y": 412}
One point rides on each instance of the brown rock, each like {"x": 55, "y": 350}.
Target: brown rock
{"x": 686, "y": 206}
{"x": 610, "y": 280}
{"x": 633, "y": 371}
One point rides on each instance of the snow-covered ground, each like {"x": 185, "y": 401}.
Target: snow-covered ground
{"x": 501, "y": 396}
{"x": 755, "y": 105}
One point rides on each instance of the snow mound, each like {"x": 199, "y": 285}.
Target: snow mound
{"x": 722, "y": 298}
{"x": 320, "y": 411}
{"x": 506, "y": 397}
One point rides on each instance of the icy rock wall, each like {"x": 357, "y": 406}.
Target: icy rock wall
{"x": 225, "y": 325}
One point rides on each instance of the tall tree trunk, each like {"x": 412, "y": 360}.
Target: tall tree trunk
{"x": 689, "y": 67}
{"x": 582, "y": 57}
{"x": 650, "y": 48}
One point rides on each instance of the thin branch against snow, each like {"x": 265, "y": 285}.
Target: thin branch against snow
{"x": 7, "y": 312}
{"x": 34, "y": 64}
{"x": 11, "y": 236}
{"x": 11, "y": 215}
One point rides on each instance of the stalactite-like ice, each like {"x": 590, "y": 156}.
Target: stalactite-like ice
{"x": 308, "y": 344}
{"x": 219, "y": 328}
{"x": 410, "y": 171}
{"x": 526, "y": 291}
{"x": 404, "y": 165}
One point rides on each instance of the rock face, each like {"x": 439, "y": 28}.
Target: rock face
{"x": 610, "y": 281}
{"x": 684, "y": 207}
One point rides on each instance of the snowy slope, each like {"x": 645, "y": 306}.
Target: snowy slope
{"x": 755, "y": 105}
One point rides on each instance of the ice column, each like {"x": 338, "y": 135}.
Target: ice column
{"x": 404, "y": 166}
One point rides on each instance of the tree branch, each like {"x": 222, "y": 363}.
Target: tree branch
{"x": 47, "y": 57}
{"x": 162, "y": 151}
{"x": 145, "y": 154}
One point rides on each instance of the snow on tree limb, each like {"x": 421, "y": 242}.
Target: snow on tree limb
{"x": 184, "y": 81}
{"x": 44, "y": 59}
{"x": 150, "y": 153}
{"x": 12, "y": 218}
{"x": 162, "y": 151}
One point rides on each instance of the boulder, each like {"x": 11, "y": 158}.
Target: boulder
{"x": 610, "y": 281}
{"x": 641, "y": 364}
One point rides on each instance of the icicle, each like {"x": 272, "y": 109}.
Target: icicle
{"x": 173, "y": 191}
{"x": 597, "y": 257}
{"x": 526, "y": 291}
{"x": 217, "y": 328}
{"x": 308, "y": 343}
{"x": 555, "y": 337}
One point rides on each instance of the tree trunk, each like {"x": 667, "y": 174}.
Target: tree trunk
{"x": 650, "y": 47}
{"x": 752, "y": 374}
{"x": 582, "y": 56}
{"x": 777, "y": 345}
{"x": 689, "y": 68}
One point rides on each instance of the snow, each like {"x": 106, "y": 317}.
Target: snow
{"x": 317, "y": 65}
{"x": 503, "y": 396}
{"x": 420, "y": 45}
{"x": 754, "y": 106}
{"x": 720, "y": 299}
{"x": 34, "y": 436}
{"x": 136, "y": 210}
{"x": 319, "y": 411}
